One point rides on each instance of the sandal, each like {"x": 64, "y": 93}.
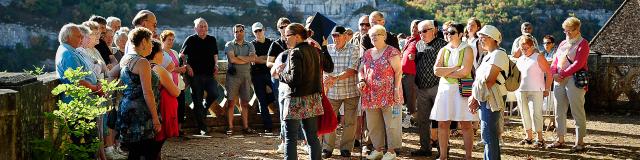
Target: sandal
{"x": 538, "y": 144}
{"x": 525, "y": 141}
{"x": 556, "y": 144}
{"x": 577, "y": 148}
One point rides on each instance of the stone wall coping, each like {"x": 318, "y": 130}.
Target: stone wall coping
{"x": 10, "y": 80}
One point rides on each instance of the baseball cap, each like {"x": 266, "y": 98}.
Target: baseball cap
{"x": 338, "y": 30}
{"x": 256, "y": 26}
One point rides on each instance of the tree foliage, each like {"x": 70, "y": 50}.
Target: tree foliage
{"x": 507, "y": 15}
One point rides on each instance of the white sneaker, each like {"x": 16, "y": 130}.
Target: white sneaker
{"x": 121, "y": 152}
{"x": 113, "y": 155}
{"x": 280, "y": 148}
{"x": 406, "y": 121}
{"x": 307, "y": 149}
{"x": 375, "y": 155}
{"x": 389, "y": 156}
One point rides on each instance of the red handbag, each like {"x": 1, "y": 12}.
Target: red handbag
{"x": 327, "y": 122}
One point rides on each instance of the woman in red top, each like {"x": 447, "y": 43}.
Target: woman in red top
{"x": 168, "y": 103}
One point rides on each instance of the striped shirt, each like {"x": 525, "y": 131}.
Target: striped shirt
{"x": 343, "y": 59}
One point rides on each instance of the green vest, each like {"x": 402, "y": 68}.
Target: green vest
{"x": 460, "y": 59}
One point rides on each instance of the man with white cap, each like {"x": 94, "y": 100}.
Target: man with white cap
{"x": 489, "y": 92}
{"x": 260, "y": 75}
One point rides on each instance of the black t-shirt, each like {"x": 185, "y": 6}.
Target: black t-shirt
{"x": 391, "y": 40}
{"x": 104, "y": 50}
{"x": 262, "y": 49}
{"x": 200, "y": 53}
{"x": 277, "y": 47}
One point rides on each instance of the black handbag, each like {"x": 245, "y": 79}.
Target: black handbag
{"x": 580, "y": 78}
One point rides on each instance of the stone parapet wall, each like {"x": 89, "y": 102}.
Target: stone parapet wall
{"x": 614, "y": 82}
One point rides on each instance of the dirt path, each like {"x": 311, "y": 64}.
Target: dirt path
{"x": 609, "y": 137}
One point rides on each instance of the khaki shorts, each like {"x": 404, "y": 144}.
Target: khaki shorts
{"x": 239, "y": 85}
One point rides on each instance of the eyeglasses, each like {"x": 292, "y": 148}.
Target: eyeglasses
{"x": 257, "y": 30}
{"x": 568, "y": 31}
{"x": 238, "y": 31}
{"x": 426, "y": 30}
{"x": 377, "y": 35}
{"x": 365, "y": 24}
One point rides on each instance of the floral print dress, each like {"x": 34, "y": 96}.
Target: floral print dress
{"x": 379, "y": 77}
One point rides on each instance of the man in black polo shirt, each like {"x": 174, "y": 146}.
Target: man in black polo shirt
{"x": 202, "y": 58}
{"x": 260, "y": 74}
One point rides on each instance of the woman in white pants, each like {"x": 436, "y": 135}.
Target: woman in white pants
{"x": 535, "y": 84}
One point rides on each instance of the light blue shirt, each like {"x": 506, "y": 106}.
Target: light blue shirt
{"x": 68, "y": 57}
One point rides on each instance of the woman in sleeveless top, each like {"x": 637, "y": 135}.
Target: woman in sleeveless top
{"x": 168, "y": 93}
{"x": 138, "y": 119}
{"x": 381, "y": 98}
{"x": 454, "y": 61}
{"x": 535, "y": 84}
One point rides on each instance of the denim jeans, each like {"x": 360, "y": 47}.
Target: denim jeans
{"x": 489, "y": 126}
{"x": 199, "y": 85}
{"x": 260, "y": 83}
{"x": 310, "y": 129}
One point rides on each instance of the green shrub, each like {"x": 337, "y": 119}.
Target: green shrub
{"x": 73, "y": 118}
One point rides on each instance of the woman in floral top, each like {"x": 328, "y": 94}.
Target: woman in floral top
{"x": 300, "y": 93}
{"x": 380, "y": 84}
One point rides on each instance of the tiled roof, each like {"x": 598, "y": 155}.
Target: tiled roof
{"x": 621, "y": 34}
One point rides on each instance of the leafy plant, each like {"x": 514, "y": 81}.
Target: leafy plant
{"x": 36, "y": 70}
{"x": 74, "y": 118}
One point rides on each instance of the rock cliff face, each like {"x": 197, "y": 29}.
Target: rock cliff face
{"x": 14, "y": 34}
{"x": 342, "y": 12}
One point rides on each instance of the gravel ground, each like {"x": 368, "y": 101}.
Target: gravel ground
{"x": 609, "y": 137}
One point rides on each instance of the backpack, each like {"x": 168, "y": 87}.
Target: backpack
{"x": 512, "y": 77}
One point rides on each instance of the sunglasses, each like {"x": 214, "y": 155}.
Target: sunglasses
{"x": 257, "y": 30}
{"x": 365, "y": 24}
{"x": 450, "y": 33}
{"x": 426, "y": 30}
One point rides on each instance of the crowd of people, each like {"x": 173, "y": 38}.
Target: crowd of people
{"x": 449, "y": 77}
